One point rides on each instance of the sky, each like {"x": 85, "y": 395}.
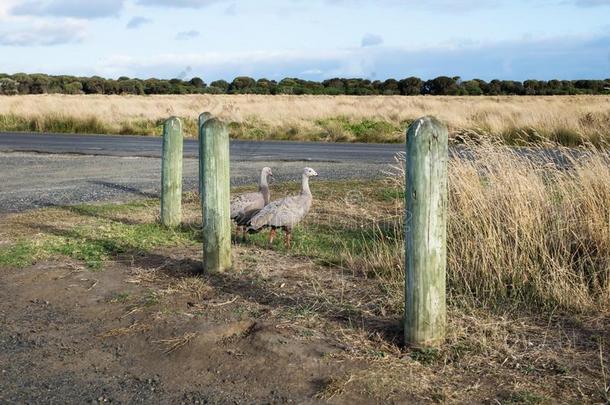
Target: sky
{"x": 309, "y": 39}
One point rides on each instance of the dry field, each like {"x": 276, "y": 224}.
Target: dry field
{"x": 528, "y": 288}
{"x": 568, "y": 120}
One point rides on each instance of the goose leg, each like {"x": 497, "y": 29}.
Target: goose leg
{"x": 288, "y": 238}
{"x": 271, "y": 236}
{"x": 243, "y": 233}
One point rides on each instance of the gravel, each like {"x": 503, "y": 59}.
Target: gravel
{"x": 33, "y": 180}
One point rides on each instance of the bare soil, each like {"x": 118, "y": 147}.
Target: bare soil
{"x": 277, "y": 329}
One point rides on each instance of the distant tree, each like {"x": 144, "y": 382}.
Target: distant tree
{"x": 156, "y": 86}
{"x": 334, "y": 86}
{"x": 411, "y": 86}
{"x": 389, "y": 87}
{"x": 197, "y": 83}
{"x": 313, "y": 87}
{"x": 9, "y": 87}
{"x": 222, "y": 85}
{"x": 531, "y": 87}
{"x": 93, "y": 85}
{"x": 358, "y": 87}
{"x": 441, "y": 85}
{"x": 39, "y": 84}
{"x": 262, "y": 86}
{"x": 495, "y": 88}
{"x": 510, "y": 87}
{"x": 241, "y": 85}
{"x": 287, "y": 86}
{"x": 130, "y": 87}
{"x": 472, "y": 87}
{"x": 75, "y": 87}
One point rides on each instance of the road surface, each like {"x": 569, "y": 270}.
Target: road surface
{"x": 143, "y": 146}
{"x": 38, "y": 170}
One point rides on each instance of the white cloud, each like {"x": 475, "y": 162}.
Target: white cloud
{"x": 43, "y": 34}
{"x": 68, "y": 8}
{"x": 563, "y": 58}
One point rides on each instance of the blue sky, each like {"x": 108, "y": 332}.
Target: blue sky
{"x": 311, "y": 39}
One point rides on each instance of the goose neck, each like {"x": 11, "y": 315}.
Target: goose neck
{"x": 305, "y": 186}
{"x": 263, "y": 188}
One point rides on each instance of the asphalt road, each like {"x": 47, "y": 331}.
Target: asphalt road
{"x": 142, "y": 146}
{"x": 38, "y": 170}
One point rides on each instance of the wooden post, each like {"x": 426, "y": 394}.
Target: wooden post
{"x": 215, "y": 196}
{"x": 426, "y": 232}
{"x": 203, "y": 117}
{"x": 171, "y": 173}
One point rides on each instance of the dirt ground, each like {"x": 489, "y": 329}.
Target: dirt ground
{"x": 148, "y": 331}
{"x": 149, "y": 328}
{"x": 100, "y": 304}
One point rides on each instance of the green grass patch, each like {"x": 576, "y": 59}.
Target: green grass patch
{"x": 99, "y": 234}
{"x": 389, "y": 194}
{"x": 20, "y": 254}
{"x": 96, "y": 244}
{"x": 522, "y": 397}
{"x": 344, "y": 129}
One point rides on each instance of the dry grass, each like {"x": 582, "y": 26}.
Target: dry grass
{"x": 519, "y": 233}
{"x": 128, "y": 330}
{"x": 172, "y": 344}
{"x": 566, "y": 119}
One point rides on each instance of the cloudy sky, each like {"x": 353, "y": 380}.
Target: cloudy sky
{"x": 311, "y": 39}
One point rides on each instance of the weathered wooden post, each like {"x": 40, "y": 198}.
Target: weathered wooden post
{"x": 203, "y": 117}
{"x": 215, "y": 195}
{"x": 426, "y": 232}
{"x": 171, "y": 173}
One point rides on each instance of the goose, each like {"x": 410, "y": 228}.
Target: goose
{"x": 285, "y": 213}
{"x": 245, "y": 206}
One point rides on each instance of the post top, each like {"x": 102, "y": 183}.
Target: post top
{"x": 174, "y": 122}
{"x": 427, "y": 126}
{"x": 214, "y": 123}
{"x": 204, "y": 116}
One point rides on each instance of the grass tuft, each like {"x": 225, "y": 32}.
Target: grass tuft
{"x": 20, "y": 254}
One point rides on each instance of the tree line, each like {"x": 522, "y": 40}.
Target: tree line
{"x": 23, "y": 83}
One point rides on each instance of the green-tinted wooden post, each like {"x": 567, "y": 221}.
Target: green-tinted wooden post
{"x": 171, "y": 173}
{"x": 215, "y": 196}
{"x": 203, "y": 117}
{"x": 426, "y": 232}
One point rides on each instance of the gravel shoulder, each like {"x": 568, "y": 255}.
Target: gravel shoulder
{"x": 34, "y": 180}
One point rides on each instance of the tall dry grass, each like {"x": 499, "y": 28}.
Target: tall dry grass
{"x": 565, "y": 119}
{"x": 520, "y": 233}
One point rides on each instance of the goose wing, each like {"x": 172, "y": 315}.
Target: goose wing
{"x": 244, "y": 203}
{"x": 286, "y": 212}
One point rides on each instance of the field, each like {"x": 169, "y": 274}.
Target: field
{"x": 104, "y": 297}
{"x": 567, "y": 120}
